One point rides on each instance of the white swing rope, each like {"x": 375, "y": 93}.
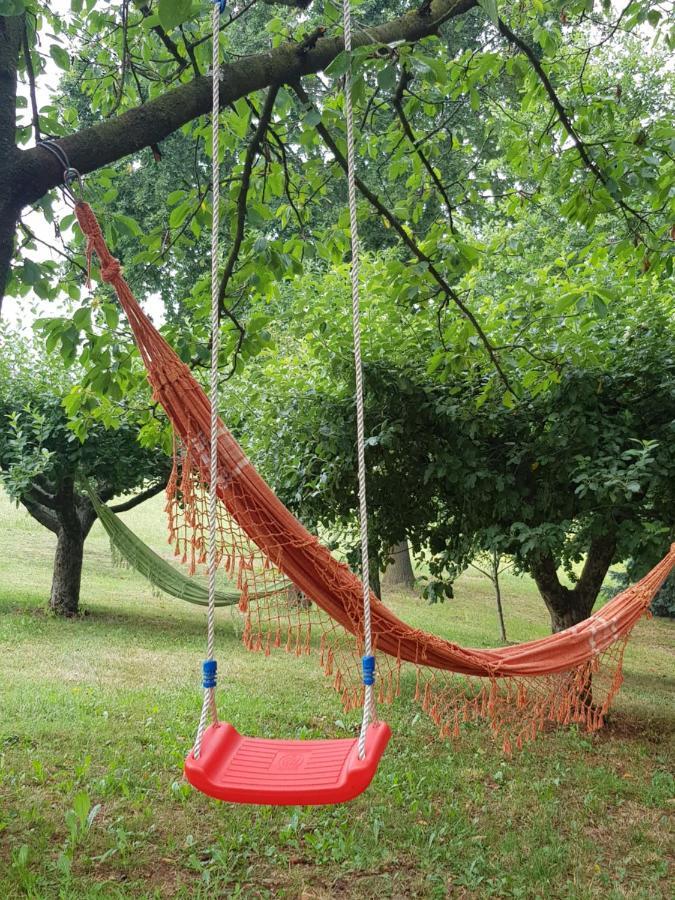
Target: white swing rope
{"x": 369, "y": 688}
{"x": 209, "y": 703}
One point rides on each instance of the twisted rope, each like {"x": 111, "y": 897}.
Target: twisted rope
{"x": 369, "y": 691}
{"x": 209, "y": 704}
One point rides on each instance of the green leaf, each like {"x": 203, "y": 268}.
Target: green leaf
{"x": 111, "y": 315}
{"x": 312, "y": 117}
{"x": 386, "y": 78}
{"x": 179, "y": 214}
{"x": 31, "y": 272}
{"x": 173, "y": 13}
{"x": 60, "y": 56}
{"x": 82, "y": 805}
{"x": 82, "y": 318}
{"x": 339, "y": 65}
{"x": 128, "y": 225}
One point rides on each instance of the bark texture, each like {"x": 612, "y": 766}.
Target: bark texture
{"x": 11, "y": 32}
{"x": 64, "y": 599}
{"x": 399, "y": 572}
{"x": 569, "y": 606}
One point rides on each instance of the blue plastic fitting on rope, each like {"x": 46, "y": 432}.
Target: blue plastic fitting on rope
{"x": 209, "y": 670}
{"x": 222, "y": 4}
{"x": 368, "y": 670}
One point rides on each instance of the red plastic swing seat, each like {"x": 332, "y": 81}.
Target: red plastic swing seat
{"x": 241, "y": 769}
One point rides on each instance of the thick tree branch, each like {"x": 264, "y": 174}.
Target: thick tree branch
{"x": 41, "y": 514}
{"x": 293, "y": 4}
{"x": 151, "y": 122}
{"x": 11, "y": 36}
{"x": 599, "y": 559}
{"x": 445, "y": 288}
{"x": 31, "y": 84}
{"x": 44, "y": 498}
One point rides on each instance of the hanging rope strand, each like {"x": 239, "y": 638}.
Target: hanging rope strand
{"x": 368, "y": 662}
{"x": 209, "y": 681}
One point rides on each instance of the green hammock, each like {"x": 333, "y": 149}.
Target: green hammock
{"x": 160, "y": 573}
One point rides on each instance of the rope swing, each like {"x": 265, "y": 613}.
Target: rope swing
{"x": 327, "y": 761}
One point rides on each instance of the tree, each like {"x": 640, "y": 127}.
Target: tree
{"x": 41, "y": 459}
{"x": 490, "y": 565}
{"x": 581, "y": 472}
{"x": 514, "y": 89}
{"x": 518, "y": 168}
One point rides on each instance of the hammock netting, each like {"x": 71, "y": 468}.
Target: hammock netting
{"x": 129, "y": 550}
{"x": 569, "y": 677}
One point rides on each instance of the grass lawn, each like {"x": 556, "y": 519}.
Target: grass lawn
{"x": 97, "y": 714}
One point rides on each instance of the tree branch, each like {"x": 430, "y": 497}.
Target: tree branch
{"x": 11, "y": 35}
{"x": 31, "y": 83}
{"x": 170, "y": 44}
{"x": 566, "y": 120}
{"x": 293, "y": 4}
{"x": 249, "y": 161}
{"x": 41, "y": 514}
{"x": 153, "y": 121}
{"x": 417, "y": 147}
{"x": 449, "y": 293}
{"x": 139, "y": 498}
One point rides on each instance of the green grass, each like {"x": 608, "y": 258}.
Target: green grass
{"x": 96, "y": 715}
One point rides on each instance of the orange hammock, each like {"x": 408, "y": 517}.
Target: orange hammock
{"x": 567, "y": 677}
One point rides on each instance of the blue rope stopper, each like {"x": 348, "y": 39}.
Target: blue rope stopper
{"x": 222, "y": 4}
{"x": 368, "y": 670}
{"x": 209, "y": 670}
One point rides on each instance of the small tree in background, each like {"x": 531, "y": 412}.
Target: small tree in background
{"x": 490, "y": 565}
{"x": 41, "y": 458}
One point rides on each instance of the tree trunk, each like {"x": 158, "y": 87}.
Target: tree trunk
{"x": 66, "y": 579}
{"x": 7, "y": 229}
{"x": 11, "y": 30}
{"x": 498, "y": 595}
{"x": 374, "y": 575}
{"x": 569, "y": 606}
{"x": 576, "y": 610}
{"x": 399, "y": 572}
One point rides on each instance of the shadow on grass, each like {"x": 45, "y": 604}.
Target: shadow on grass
{"x": 136, "y": 621}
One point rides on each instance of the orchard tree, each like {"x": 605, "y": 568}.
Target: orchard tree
{"x": 579, "y": 475}
{"x": 42, "y": 459}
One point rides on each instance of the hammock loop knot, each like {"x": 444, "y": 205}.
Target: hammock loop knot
{"x": 111, "y": 271}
